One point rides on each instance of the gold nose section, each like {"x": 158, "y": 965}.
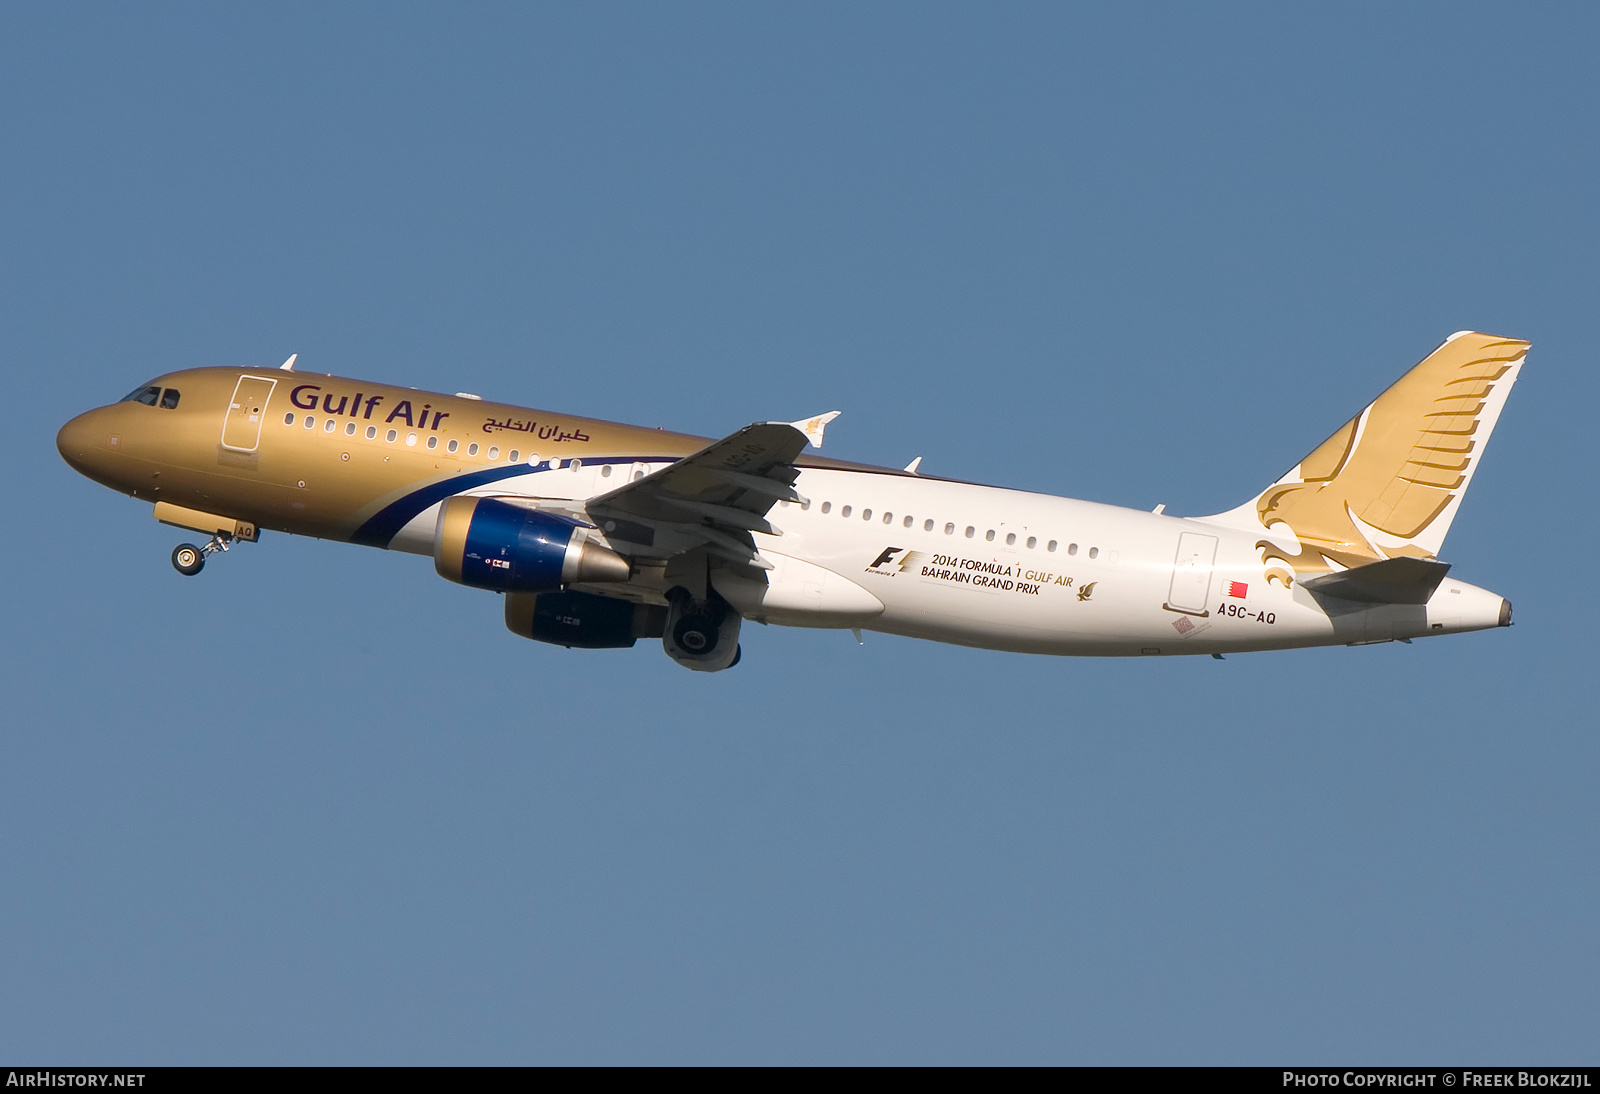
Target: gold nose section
{"x": 77, "y": 438}
{"x": 86, "y": 443}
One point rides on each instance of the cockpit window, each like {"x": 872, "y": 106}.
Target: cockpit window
{"x": 146, "y": 395}
{"x": 169, "y": 398}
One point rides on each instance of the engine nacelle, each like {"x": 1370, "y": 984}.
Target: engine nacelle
{"x": 702, "y": 635}
{"x": 492, "y": 544}
{"x": 582, "y": 620}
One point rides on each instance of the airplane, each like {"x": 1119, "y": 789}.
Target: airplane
{"x": 598, "y": 534}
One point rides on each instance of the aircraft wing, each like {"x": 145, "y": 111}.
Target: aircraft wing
{"x": 714, "y": 498}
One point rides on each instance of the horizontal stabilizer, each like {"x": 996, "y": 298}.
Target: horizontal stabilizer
{"x": 1392, "y": 581}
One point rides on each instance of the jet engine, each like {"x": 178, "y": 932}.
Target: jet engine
{"x": 702, "y": 635}
{"x": 582, "y": 620}
{"x": 492, "y": 544}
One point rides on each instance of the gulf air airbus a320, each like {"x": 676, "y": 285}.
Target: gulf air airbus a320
{"x": 598, "y": 534}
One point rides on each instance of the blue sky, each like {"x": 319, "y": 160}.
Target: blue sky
{"x": 318, "y": 806}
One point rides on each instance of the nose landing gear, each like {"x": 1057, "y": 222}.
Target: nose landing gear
{"x": 189, "y": 560}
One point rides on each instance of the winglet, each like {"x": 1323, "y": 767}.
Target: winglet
{"x": 813, "y": 427}
{"x": 914, "y": 464}
{"x": 288, "y": 366}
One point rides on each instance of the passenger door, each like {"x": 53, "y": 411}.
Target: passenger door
{"x": 241, "y": 429}
{"x": 1190, "y": 591}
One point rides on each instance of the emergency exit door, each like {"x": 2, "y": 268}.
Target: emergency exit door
{"x": 241, "y": 429}
{"x": 1190, "y": 591}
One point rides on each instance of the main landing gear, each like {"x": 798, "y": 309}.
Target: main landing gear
{"x": 189, "y": 560}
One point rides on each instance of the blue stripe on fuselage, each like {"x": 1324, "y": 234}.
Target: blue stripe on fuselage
{"x": 386, "y": 523}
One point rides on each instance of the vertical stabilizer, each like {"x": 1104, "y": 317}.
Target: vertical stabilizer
{"x": 1388, "y": 484}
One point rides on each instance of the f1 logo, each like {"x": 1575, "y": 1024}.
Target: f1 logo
{"x": 887, "y": 556}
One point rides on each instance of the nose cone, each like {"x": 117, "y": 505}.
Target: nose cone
{"x": 74, "y": 440}
{"x": 86, "y": 444}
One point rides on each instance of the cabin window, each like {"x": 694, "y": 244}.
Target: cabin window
{"x": 1072, "y": 548}
{"x": 392, "y": 435}
{"x": 169, "y": 399}
{"x": 329, "y": 426}
{"x": 949, "y": 529}
{"x": 452, "y": 446}
{"x": 433, "y": 442}
{"x": 827, "y": 507}
{"x": 845, "y": 512}
{"x": 971, "y": 531}
{"x": 1033, "y": 541}
{"x": 310, "y": 421}
{"x": 805, "y": 504}
{"x": 907, "y": 522}
{"x": 472, "y": 449}
{"x": 514, "y": 455}
{"x": 1011, "y": 539}
{"x": 888, "y": 518}
{"x": 605, "y": 473}
{"x": 350, "y": 429}
{"x": 989, "y": 535}
{"x": 288, "y": 419}
{"x": 372, "y": 431}
{"x": 575, "y": 464}
{"x": 494, "y": 452}
{"x": 533, "y": 459}
{"x": 1094, "y": 552}
{"x": 866, "y": 514}
{"x": 927, "y": 526}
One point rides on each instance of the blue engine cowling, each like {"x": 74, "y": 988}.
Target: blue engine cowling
{"x": 582, "y": 620}
{"x": 491, "y": 544}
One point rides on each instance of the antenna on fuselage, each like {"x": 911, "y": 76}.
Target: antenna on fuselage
{"x": 288, "y": 366}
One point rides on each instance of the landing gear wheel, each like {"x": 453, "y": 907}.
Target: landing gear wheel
{"x": 696, "y": 634}
{"x": 187, "y": 559}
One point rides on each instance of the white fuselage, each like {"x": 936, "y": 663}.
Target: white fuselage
{"x": 1341, "y": 549}
{"x": 1012, "y": 570}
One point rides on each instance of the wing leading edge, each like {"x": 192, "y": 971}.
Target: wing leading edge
{"x": 714, "y": 498}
